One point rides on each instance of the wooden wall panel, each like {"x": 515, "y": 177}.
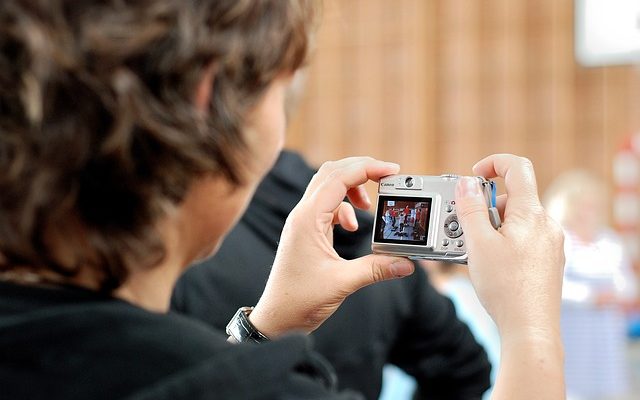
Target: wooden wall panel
{"x": 369, "y": 86}
{"x": 438, "y": 84}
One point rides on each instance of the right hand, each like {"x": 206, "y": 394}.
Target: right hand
{"x": 516, "y": 270}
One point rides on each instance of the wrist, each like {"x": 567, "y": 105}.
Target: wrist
{"x": 534, "y": 341}
{"x": 274, "y": 322}
{"x": 531, "y": 364}
{"x": 530, "y": 324}
{"x": 266, "y": 322}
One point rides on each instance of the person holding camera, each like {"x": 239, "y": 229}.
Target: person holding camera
{"x": 125, "y": 129}
{"x": 404, "y": 322}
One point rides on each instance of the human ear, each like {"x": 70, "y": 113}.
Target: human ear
{"x": 202, "y": 95}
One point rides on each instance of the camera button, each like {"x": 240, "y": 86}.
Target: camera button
{"x": 459, "y": 243}
{"x": 445, "y": 242}
{"x": 448, "y": 208}
{"x": 452, "y": 228}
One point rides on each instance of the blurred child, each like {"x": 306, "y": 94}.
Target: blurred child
{"x": 598, "y": 281}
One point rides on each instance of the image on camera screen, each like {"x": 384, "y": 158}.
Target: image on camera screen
{"x": 402, "y": 220}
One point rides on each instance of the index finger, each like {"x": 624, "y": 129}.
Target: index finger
{"x": 331, "y": 192}
{"x": 519, "y": 177}
{"x": 329, "y": 167}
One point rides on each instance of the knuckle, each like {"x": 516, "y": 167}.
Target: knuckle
{"x": 471, "y": 210}
{"x": 377, "y": 271}
{"x": 557, "y": 233}
{"x": 295, "y": 217}
{"x": 334, "y": 174}
{"x": 367, "y": 159}
{"x": 526, "y": 163}
{"x": 327, "y": 166}
{"x": 538, "y": 213}
{"x": 555, "y": 237}
{"x": 358, "y": 159}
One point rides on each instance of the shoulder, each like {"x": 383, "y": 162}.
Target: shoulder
{"x": 160, "y": 343}
{"x": 170, "y": 356}
{"x": 88, "y": 345}
{"x": 285, "y": 368}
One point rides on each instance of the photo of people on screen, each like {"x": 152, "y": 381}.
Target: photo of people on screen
{"x": 402, "y": 220}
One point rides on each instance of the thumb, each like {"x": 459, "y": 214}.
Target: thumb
{"x": 472, "y": 210}
{"x": 374, "y": 268}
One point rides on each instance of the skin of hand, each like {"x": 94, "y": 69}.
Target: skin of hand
{"x": 308, "y": 280}
{"x": 517, "y": 274}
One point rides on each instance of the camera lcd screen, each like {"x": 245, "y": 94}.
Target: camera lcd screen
{"x": 403, "y": 220}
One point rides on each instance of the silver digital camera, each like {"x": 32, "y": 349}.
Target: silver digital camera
{"x": 416, "y": 217}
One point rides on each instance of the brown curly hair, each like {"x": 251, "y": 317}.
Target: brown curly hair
{"x": 99, "y": 136}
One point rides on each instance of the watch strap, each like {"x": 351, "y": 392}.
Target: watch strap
{"x": 242, "y": 330}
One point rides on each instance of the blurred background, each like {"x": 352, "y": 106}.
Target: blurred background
{"x": 436, "y": 85}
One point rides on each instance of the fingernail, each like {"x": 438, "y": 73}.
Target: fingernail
{"x": 468, "y": 187}
{"x": 402, "y": 268}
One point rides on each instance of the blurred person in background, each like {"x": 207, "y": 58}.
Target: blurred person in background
{"x": 453, "y": 281}
{"x": 598, "y": 281}
{"x": 408, "y": 323}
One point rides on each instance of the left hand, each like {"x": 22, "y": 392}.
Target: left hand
{"x": 309, "y": 280}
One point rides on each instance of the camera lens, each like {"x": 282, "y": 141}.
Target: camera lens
{"x": 408, "y": 182}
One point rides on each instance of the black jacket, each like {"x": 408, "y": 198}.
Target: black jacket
{"x": 404, "y": 322}
{"x": 65, "y": 343}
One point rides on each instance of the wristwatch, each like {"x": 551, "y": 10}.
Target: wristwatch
{"x": 242, "y": 330}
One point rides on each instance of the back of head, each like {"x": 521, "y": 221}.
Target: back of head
{"x": 99, "y": 136}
